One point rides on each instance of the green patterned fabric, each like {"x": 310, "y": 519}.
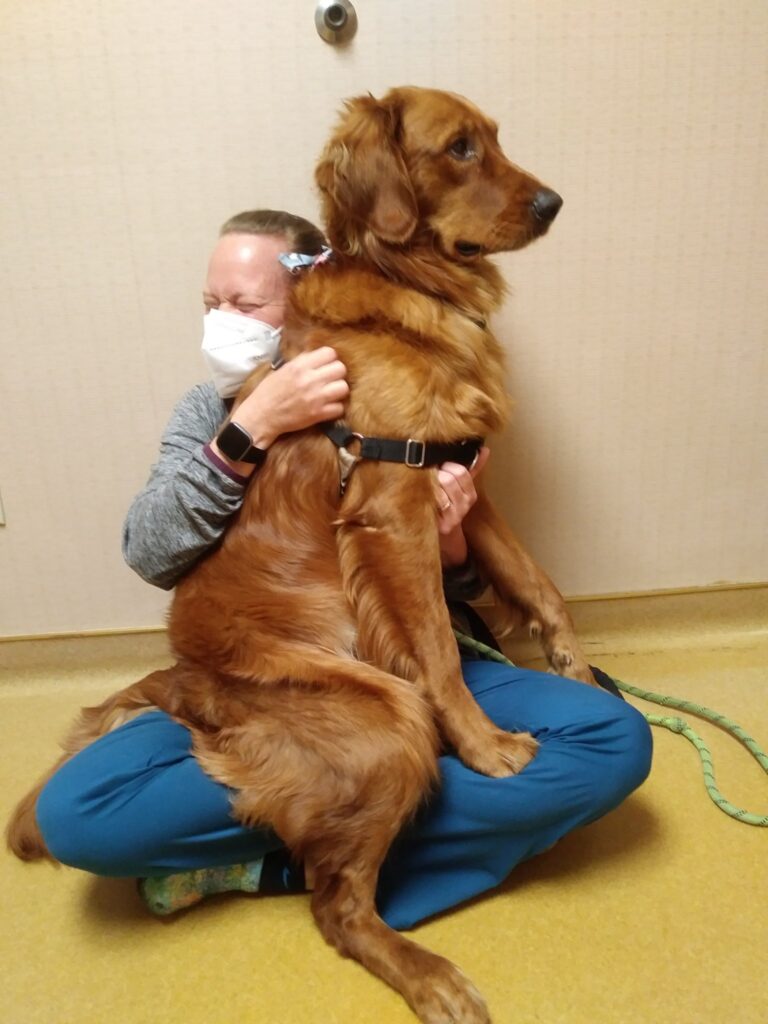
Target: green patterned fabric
{"x": 171, "y": 893}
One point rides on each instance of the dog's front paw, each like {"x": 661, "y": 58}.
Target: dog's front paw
{"x": 503, "y": 754}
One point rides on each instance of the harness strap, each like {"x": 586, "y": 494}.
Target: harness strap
{"x": 416, "y": 454}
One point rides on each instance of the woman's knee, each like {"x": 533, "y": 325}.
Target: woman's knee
{"x": 108, "y": 808}
{"x": 69, "y": 828}
{"x": 629, "y": 747}
{"x": 613, "y": 737}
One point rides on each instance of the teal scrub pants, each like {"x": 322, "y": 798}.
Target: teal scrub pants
{"x": 136, "y": 802}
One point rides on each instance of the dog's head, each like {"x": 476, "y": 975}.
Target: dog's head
{"x": 424, "y": 168}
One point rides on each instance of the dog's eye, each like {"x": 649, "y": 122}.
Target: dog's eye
{"x": 462, "y": 149}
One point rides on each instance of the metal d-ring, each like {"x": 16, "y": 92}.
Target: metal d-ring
{"x": 347, "y": 460}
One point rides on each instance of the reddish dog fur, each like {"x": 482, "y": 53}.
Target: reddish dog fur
{"x": 317, "y": 670}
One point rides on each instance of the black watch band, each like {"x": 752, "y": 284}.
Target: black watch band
{"x": 237, "y": 444}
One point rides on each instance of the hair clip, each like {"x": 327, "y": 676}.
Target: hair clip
{"x": 295, "y": 262}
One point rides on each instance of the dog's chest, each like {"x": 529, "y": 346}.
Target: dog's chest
{"x": 400, "y": 389}
{"x": 415, "y": 365}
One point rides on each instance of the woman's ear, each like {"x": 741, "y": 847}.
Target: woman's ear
{"x": 363, "y": 176}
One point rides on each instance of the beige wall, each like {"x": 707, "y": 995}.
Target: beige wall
{"x": 636, "y": 330}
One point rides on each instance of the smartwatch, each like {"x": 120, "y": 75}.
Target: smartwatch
{"x": 237, "y": 444}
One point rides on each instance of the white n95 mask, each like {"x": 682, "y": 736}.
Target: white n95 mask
{"x": 234, "y": 345}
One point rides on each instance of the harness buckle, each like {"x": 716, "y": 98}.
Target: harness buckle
{"x": 415, "y": 453}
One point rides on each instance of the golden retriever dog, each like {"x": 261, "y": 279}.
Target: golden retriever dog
{"x": 317, "y": 670}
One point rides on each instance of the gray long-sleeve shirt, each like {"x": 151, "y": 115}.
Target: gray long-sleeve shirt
{"x": 188, "y": 500}
{"x": 190, "y": 496}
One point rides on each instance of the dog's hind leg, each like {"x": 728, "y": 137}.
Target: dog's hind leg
{"x": 336, "y": 767}
{"x": 343, "y": 906}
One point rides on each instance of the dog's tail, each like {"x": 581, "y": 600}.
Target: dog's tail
{"x": 22, "y": 832}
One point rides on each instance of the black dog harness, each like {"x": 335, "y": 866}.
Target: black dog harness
{"x": 411, "y": 452}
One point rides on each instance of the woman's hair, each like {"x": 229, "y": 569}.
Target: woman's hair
{"x": 301, "y": 234}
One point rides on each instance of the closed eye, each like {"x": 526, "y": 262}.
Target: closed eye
{"x": 462, "y": 149}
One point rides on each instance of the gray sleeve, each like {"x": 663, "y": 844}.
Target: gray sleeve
{"x": 183, "y": 510}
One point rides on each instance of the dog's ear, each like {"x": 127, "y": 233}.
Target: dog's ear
{"x": 362, "y": 174}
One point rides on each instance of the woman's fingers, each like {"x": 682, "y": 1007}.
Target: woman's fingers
{"x": 482, "y": 457}
{"x": 456, "y": 491}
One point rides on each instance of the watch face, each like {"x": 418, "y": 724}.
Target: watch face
{"x": 234, "y": 441}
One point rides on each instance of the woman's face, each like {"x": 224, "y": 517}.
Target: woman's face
{"x": 244, "y": 276}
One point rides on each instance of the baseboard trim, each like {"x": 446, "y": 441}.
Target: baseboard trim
{"x": 85, "y": 634}
{"x": 632, "y": 595}
{"x": 725, "y": 607}
{"x": 661, "y": 620}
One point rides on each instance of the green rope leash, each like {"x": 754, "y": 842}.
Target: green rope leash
{"x": 674, "y": 724}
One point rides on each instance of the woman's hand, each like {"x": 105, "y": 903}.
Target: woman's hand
{"x": 311, "y": 388}
{"x": 456, "y": 494}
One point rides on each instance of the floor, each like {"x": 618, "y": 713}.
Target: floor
{"x": 654, "y": 915}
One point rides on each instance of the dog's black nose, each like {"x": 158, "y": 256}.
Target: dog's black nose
{"x": 546, "y": 205}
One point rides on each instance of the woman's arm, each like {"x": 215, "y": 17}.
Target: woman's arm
{"x": 189, "y": 498}
{"x": 193, "y": 489}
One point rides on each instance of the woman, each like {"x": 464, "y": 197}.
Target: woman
{"x": 136, "y": 802}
